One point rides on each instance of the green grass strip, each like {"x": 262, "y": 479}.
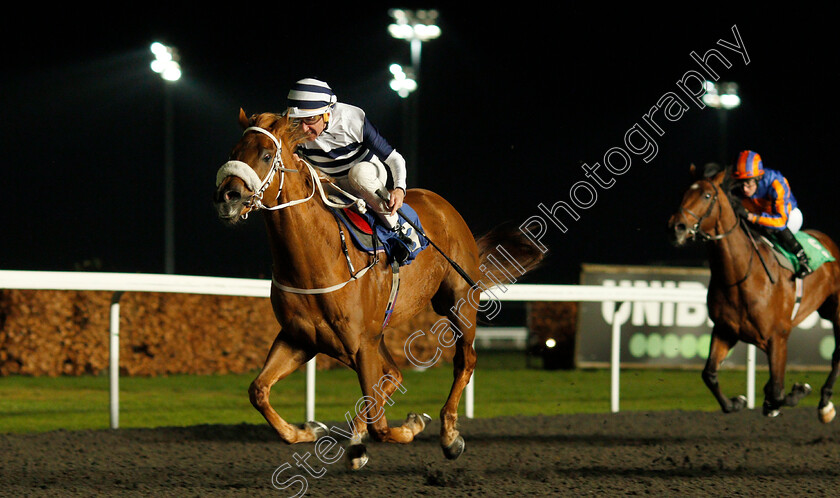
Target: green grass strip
{"x": 504, "y": 387}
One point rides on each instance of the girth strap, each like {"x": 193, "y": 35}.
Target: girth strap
{"x": 395, "y": 288}
{"x": 324, "y": 290}
{"x": 798, "y": 298}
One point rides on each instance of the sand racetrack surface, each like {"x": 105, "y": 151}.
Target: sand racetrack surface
{"x": 658, "y": 453}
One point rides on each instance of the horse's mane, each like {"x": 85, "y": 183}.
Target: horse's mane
{"x": 728, "y": 187}
{"x": 728, "y": 183}
{"x": 288, "y": 129}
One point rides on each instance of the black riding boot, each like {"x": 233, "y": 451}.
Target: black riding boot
{"x": 789, "y": 242}
{"x": 400, "y": 251}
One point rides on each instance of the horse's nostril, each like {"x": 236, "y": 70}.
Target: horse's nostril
{"x": 232, "y": 196}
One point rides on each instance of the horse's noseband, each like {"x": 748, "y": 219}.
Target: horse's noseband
{"x": 240, "y": 170}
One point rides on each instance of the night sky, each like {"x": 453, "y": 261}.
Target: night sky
{"x": 510, "y": 106}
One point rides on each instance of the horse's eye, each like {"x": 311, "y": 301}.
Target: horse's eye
{"x": 708, "y": 195}
{"x": 266, "y": 157}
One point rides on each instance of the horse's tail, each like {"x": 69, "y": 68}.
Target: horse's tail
{"x": 508, "y": 249}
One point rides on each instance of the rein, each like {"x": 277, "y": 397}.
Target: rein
{"x": 253, "y": 182}
{"x": 245, "y": 172}
{"x": 695, "y": 230}
{"x": 755, "y": 247}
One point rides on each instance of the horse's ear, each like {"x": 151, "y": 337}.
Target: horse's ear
{"x": 719, "y": 178}
{"x": 243, "y": 119}
{"x": 692, "y": 170}
{"x": 711, "y": 169}
{"x": 728, "y": 182}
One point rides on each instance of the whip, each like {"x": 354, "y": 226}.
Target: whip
{"x": 382, "y": 193}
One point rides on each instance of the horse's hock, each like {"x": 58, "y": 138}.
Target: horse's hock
{"x": 49, "y": 333}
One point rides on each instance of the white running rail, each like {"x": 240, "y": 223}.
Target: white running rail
{"x": 119, "y": 283}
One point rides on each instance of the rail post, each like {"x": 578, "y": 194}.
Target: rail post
{"x": 114, "y": 359}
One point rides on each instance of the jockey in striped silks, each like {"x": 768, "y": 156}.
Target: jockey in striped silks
{"x": 345, "y": 145}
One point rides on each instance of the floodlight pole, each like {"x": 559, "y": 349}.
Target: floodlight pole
{"x": 169, "y": 181}
{"x": 166, "y": 64}
{"x": 723, "y": 97}
{"x": 415, "y": 27}
{"x": 722, "y": 140}
{"x": 412, "y": 117}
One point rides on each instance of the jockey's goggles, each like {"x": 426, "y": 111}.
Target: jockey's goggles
{"x": 745, "y": 181}
{"x": 310, "y": 120}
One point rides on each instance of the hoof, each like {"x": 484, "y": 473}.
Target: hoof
{"x": 455, "y": 449}
{"x": 318, "y": 429}
{"x": 420, "y": 420}
{"x": 804, "y": 389}
{"x": 736, "y": 404}
{"x": 357, "y": 456}
{"x": 827, "y": 413}
{"x": 769, "y": 412}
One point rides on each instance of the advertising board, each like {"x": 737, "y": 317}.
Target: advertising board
{"x": 673, "y": 334}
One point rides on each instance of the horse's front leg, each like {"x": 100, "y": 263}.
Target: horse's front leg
{"x": 282, "y": 360}
{"x": 774, "y": 397}
{"x": 718, "y": 349}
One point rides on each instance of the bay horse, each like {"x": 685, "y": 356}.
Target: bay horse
{"x": 323, "y": 309}
{"x": 751, "y": 297}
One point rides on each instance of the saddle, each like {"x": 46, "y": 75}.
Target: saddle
{"x": 369, "y": 235}
{"x": 817, "y": 254}
{"x": 360, "y": 230}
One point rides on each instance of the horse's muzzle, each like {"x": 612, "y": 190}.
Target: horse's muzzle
{"x": 230, "y": 200}
{"x": 678, "y": 232}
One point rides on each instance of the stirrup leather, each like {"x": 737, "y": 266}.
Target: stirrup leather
{"x": 804, "y": 268}
{"x": 401, "y": 251}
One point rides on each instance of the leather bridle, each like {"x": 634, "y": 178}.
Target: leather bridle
{"x": 695, "y": 229}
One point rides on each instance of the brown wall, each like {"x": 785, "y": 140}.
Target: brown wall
{"x": 67, "y": 332}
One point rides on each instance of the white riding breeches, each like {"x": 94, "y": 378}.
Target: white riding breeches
{"x": 794, "y": 220}
{"x": 363, "y": 180}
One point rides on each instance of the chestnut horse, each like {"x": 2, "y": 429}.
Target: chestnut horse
{"x": 745, "y": 302}
{"x": 322, "y": 309}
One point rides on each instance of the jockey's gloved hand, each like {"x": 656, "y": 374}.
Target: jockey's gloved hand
{"x": 740, "y": 210}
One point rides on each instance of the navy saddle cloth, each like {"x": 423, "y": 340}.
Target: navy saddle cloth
{"x": 370, "y": 235}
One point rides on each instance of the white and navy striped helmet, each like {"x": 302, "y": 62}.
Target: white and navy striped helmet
{"x": 310, "y": 97}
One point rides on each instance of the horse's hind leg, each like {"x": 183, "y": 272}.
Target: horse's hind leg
{"x": 282, "y": 360}
{"x": 379, "y": 379}
{"x": 387, "y": 384}
{"x": 718, "y": 349}
{"x": 464, "y": 365}
{"x": 462, "y": 316}
{"x": 774, "y": 397}
{"x": 390, "y": 381}
{"x": 825, "y": 410}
